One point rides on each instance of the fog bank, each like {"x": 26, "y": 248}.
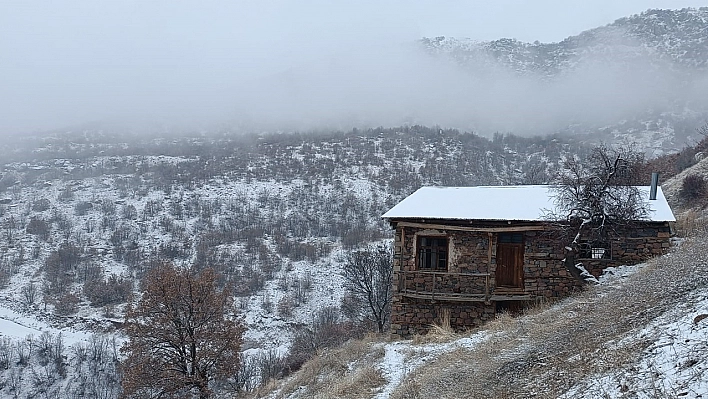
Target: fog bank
{"x": 294, "y": 65}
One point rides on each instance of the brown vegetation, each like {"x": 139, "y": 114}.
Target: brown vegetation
{"x": 181, "y": 337}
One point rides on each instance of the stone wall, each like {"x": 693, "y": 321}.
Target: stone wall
{"x": 415, "y": 316}
{"x": 475, "y": 252}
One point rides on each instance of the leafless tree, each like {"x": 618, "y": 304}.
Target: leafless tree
{"x": 181, "y": 335}
{"x": 368, "y": 277}
{"x": 596, "y": 195}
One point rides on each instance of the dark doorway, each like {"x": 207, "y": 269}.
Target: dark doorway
{"x": 510, "y": 261}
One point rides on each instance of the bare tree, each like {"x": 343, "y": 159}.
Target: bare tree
{"x": 596, "y": 195}
{"x": 181, "y": 337}
{"x": 368, "y": 278}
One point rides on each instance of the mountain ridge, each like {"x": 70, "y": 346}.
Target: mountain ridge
{"x": 639, "y": 79}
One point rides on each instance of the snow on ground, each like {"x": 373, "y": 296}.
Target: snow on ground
{"x": 675, "y": 363}
{"x": 404, "y": 357}
{"x": 617, "y": 274}
{"x": 267, "y": 329}
{"x": 17, "y": 326}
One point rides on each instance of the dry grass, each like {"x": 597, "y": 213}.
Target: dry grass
{"x": 438, "y": 332}
{"x": 344, "y": 372}
{"x": 546, "y": 352}
{"x": 360, "y": 383}
{"x": 690, "y": 223}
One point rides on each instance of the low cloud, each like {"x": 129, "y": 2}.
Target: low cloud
{"x": 263, "y": 68}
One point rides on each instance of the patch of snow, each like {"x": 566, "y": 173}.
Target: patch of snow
{"x": 531, "y": 203}
{"x": 403, "y": 357}
{"x": 675, "y": 364}
{"x": 17, "y": 326}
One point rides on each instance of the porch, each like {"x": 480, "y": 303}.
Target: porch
{"x": 455, "y": 287}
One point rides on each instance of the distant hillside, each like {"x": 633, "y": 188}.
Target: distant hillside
{"x": 657, "y": 59}
{"x": 84, "y": 215}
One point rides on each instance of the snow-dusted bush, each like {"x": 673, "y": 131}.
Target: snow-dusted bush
{"x": 693, "y": 187}
{"x": 109, "y": 291}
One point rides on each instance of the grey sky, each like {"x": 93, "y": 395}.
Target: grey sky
{"x": 71, "y": 62}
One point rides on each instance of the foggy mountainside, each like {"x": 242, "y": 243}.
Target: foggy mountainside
{"x": 649, "y": 75}
{"x": 83, "y": 216}
{"x": 276, "y": 199}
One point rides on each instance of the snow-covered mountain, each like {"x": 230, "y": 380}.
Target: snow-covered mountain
{"x": 641, "y": 78}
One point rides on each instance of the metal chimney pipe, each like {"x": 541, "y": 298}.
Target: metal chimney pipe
{"x": 654, "y": 184}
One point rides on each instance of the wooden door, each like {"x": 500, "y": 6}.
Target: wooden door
{"x": 510, "y": 261}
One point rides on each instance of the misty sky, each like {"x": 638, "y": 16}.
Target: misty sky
{"x": 277, "y": 64}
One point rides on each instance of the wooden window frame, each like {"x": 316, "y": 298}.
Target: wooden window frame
{"x": 432, "y": 253}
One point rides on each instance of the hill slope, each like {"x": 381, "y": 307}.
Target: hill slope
{"x": 640, "y": 333}
{"x": 83, "y": 216}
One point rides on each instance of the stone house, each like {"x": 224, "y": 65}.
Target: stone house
{"x": 466, "y": 253}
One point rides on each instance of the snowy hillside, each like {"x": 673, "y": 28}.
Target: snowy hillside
{"x": 84, "y": 216}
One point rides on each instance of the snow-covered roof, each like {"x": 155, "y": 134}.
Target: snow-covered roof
{"x": 527, "y": 203}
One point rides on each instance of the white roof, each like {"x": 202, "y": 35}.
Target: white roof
{"x": 529, "y": 203}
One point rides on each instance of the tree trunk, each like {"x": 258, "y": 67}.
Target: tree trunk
{"x": 569, "y": 263}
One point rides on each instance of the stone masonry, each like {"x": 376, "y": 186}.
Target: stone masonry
{"x": 472, "y": 266}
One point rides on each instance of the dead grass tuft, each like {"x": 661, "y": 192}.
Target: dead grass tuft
{"x": 408, "y": 389}
{"x": 345, "y": 372}
{"x": 689, "y": 223}
{"x": 360, "y": 383}
{"x": 438, "y": 332}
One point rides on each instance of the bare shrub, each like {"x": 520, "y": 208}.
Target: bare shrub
{"x": 29, "y": 293}
{"x": 6, "y": 351}
{"x": 693, "y": 187}
{"x": 246, "y": 378}
{"x": 108, "y": 207}
{"x": 325, "y": 331}
{"x": 266, "y": 303}
{"x": 299, "y": 291}
{"x": 38, "y": 227}
{"x": 50, "y": 348}
{"x": 66, "y": 304}
{"x": 109, "y": 291}
{"x": 60, "y": 268}
{"x": 23, "y": 350}
{"x": 41, "y": 205}
{"x": 271, "y": 364}
{"x": 6, "y": 272}
{"x": 82, "y": 207}
{"x": 129, "y": 212}
{"x": 285, "y": 306}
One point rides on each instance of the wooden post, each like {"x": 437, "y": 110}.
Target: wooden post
{"x": 489, "y": 252}
{"x": 486, "y": 288}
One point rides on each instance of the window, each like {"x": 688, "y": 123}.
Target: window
{"x": 432, "y": 253}
{"x": 594, "y": 250}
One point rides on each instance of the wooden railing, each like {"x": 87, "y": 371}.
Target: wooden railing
{"x": 438, "y": 285}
